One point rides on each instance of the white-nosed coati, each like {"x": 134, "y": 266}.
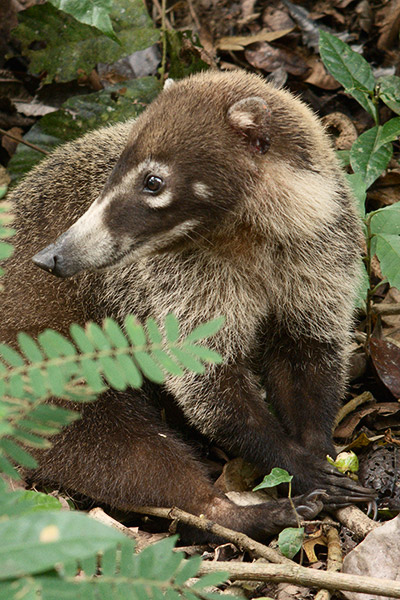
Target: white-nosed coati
{"x": 223, "y": 197}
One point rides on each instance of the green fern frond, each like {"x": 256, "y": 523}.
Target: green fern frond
{"x": 6, "y": 218}
{"x": 80, "y": 368}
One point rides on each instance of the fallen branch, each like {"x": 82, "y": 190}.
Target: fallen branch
{"x": 242, "y": 541}
{"x": 355, "y": 520}
{"x": 335, "y": 556}
{"x": 303, "y": 576}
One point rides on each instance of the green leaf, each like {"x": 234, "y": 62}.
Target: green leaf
{"x": 29, "y": 347}
{"x": 290, "y": 541}
{"x": 38, "y": 382}
{"x": 3, "y": 191}
{"x": 276, "y": 477}
{"x": 357, "y": 184}
{"x": 153, "y": 332}
{"x": 40, "y": 501}
{"x": 389, "y": 92}
{"x": 34, "y": 546}
{"x": 55, "y": 345}
{"x": 72, "y": 47}
{"x": 188, "y": 569}
{"x": 113, "y": 373}
{"x": 132, "y": 373}
{"x": 206, "y": 330}
{"x": 10, "y": 356}
{"x": 387, "y": 248}
{"x": 90, "y": 12}
{"x": 91, "y": 373}
{"x": 362, "y": 289}
{"x": 172, "y": 330}
{"x": 149, "y": 367}
{"x": 18, "y": 454}
{"x": 7, "y": 468}
{"x": 344, "y": 157}
{"x": 389, "y": 132}
{"x": 6, "y": 250}
{"x": 167, "y": 363}
{"x": 206, "y": 354}
{"x": 350, "y": 69}
{"x": 115, "y": 333}
{"x": 95, "y": 334}
{"x": 368, "y": 157}
{"x": 386, "y": 220}
{"x": 210, "y": 579}
{"x": 187, "y": 360}
{"x": 135, "y": 331}
{"x": 80, "y": 338}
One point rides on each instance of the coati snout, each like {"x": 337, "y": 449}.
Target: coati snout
{"x": 223, "y": 198}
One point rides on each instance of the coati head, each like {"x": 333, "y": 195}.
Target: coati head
{"x": 193, "y": 157}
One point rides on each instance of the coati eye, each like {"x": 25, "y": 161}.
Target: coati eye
{"x": 153, "y": 184}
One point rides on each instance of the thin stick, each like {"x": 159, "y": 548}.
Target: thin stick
{"x": 240, "y": 540}
{"x": 335, "y": 557}
{"x": 21, "y": 140}
{"x": 352, "y": 405}
{"x": 303, "y": 576}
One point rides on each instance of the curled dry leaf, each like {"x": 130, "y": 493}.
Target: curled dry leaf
{"x": 386, "y": 359}
{"x": 388, "y": 21}
{"x": 266, "y": 57}
{"x": 239, "y": 42}
{"x": 383, "y": 409}
{"x": 342, "y": 128}
{"x": 319, "y": 75}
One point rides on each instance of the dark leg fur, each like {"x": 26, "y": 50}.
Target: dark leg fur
{"x": 121, "y": 453}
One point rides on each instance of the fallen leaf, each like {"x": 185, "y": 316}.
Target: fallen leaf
{"x": 386, "y": 359}
{"x": 319, "y": 75}
{"x": 268, "y": 58}
{"x": 388, "y": 21}
{"x": 239, "y": 42}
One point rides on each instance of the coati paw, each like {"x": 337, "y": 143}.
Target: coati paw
{"x": 309, "y": 505}
{"x": 342, "y": 490}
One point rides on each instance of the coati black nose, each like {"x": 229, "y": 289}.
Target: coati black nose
{"x": 48, "y": 260}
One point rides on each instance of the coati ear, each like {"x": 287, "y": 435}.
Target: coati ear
{"x": 251, "y": 118}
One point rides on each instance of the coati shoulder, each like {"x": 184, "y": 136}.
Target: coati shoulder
{"x": 223, "y": 197}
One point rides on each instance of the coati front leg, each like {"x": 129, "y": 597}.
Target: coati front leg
{"x": 227, "y": 406}
{"x": 121, "y": 453}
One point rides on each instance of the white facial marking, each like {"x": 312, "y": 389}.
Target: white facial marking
{"x": 201, "y": 189}
{"x": 91, "y": 235}
{"x": 160, "y": 200}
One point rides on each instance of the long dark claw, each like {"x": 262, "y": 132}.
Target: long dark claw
{"x": 372, "y": 508}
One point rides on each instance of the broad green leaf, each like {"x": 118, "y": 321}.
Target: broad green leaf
{"x": 290, "y": 541}
{"x": 344, "y": 157}
{"x": 389, "y": 92}
{"x": 172, "y": 330}
{"x": 18, "y": 454}
{"x": 362, "y": 288}
{"x": 81, "y": 114}
{"x": 369, "y": 158}
{"x": 90, "y": 12}
{"x": 389, "y": 132}
{"x": 387, "y": 248}
{"x": 357, "y": 184}
{"x": 135, "y": 331}
{"x": 132, "y": 373}
{"x": 72, "y": 48}
{"x": 350, "y": 69}
{"x": 32, "y": 546}
{"x": 6, "y": 250}
{"x": 40, "y": 501}
{"x": 188, "y": 361}
{"x": 276, "y": 477}
{"x": 149, "y": 367}
{"x": 386, "y": 220}
{"x": 206, "y": 330}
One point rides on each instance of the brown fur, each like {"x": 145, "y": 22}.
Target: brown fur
{"x": 256, "y": 223}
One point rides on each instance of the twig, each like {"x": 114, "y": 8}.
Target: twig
{"x": 355, "y": 520}
{"x": 158, "y": 7}
{"x": 164, "y": 41}
{"x": 352, "y": 405}
{"x": 385, "y": 308}
{"x": 240, "y": 540}
{"x": 194, "y": 15}
{"x": 335, "y": 557}
{"x": 21, "y": 140}
{"x": 304, "y": 576}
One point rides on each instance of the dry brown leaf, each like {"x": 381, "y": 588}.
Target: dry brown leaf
{"x": 319, "y": 75}
{"x": 239, "y": 42}
{"x": 386, "y": 359}
{"x": 388, "y": 21}
{"x": 268, "y": 58}
{"x": 347, "y": 427}
{"x": 317, "y": 539}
